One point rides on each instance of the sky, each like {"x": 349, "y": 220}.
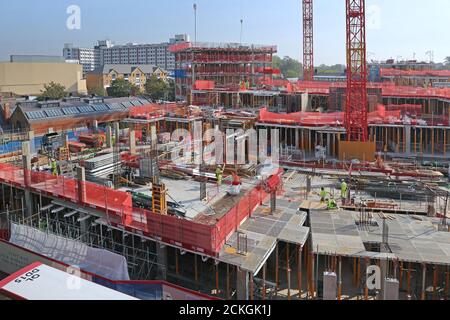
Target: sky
{"x": 399, "y": 29}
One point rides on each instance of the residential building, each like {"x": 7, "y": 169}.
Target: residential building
{"x": 89, "y": 58}
{"x": 153, "y": 54}
{"x": 27, "y": 75}
{"x": 135, "y": 74}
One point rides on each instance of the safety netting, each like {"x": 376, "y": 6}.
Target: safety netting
{"x": 192, "y": 235}
{"x": 318, "y": 119}
{"x": 152, "y": 110}
{"x": 389, "y": 72}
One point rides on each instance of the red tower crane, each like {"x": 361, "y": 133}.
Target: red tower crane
{"x": 308, "y": 41}
{"x": 356, "y": 102}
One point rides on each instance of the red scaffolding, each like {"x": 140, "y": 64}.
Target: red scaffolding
{"x": 356, "y": 102}
{"x": 308, "y": 41}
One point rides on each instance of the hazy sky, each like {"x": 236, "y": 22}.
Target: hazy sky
{"x": 395, "y": 27}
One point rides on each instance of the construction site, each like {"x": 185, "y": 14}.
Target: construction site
{"x": 249, "y": 187}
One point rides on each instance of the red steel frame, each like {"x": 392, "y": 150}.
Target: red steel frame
{"x": 308, "y": 41}
{"x": 356, "y": 104}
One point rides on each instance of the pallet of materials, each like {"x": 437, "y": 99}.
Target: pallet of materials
{"x": 76, "y": 147}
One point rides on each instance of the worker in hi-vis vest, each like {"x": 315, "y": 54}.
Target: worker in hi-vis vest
{"x": 219, "y": 174}
{"x": 323, "y": 194}
{"x": 54, "y": 167}
{"x": 344, "y": 191}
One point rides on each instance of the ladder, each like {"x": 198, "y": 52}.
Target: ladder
{"x": 159, "y": 201}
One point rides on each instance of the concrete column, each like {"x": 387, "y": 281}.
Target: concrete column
{"x": 132, "y": 141}
{"x": 30, "y": 138}
{"x": 161, "y": 256}
{"x": 408, "y": 139}
{"x": 95, "y": 126}
{"x": 26, "y": 159}
{"x": 297, "y": 139}
{"x": 242, "y": 290}
{"x": 329, "y": 286}
{"x": 109, "y": 139}
{"x": 391, "y": 289}
{"x": 328, "y": 144}
{"x": 65, "y": 140}
{"x": 81, "y": 180}
{"x": 153, "y": 136}
{"x": 117, "y": 131}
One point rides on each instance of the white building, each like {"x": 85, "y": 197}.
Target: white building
{"x": 131, "y": 53}
{"x": 88, "y": 57}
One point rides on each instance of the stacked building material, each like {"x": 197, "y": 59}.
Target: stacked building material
{"x": 101, "y": 166}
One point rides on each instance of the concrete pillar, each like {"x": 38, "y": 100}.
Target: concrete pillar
{"x": 305, "y": 102}
{"x": 391, "y": 289}
{"x": 26, "y": 159}
{"x": 153, "y": 136}
{"x": 329, "y": 286}
{"x": 117, "y": 131}
{"x": 81, "y": 180}
{"x": 242, "y": 280}
{"x": 132, "y": 141}
{"x": 297, "y": 139}
{"x": 161, "y": 256}
{"x": 65, "y": 140}
{"x": 30, "y": 138}
{"x": 109, "y": 140}
{"x": 95, "y": 126}
{"x": 329, "y": 144}
{"x": 408, "y": 139}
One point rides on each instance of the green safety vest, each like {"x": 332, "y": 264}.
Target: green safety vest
{"x": 344, "y": 189}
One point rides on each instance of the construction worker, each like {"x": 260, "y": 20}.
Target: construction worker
{"x": 236, "y": 184}
{"x": 331, "y": 204}
{"x": 344, "y": 191}
{"x": 54, "y": 167}
{"x": 323, "y": 194}
{"x": 219, "y": 175}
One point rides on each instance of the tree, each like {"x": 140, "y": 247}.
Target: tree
{"x": 53, "y": 91}
{"x": 98, "y": 91}
{"x": 289, "y": 67}
{"x": 447, "y": 61}
{"x": 122, "y": 88}
{"x": 158, "y": 89}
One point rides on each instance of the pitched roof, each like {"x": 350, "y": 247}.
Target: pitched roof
{"x": 129, "y": 68}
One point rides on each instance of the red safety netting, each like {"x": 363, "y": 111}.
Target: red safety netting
{"x": 317, "y": 119}
{"x": 152, "y": 110}
{"x": 192, "y": 235}
{"x": 84, "y": 193}
{"x": 388, "y": 72}
{"x": 204, "y": 85}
